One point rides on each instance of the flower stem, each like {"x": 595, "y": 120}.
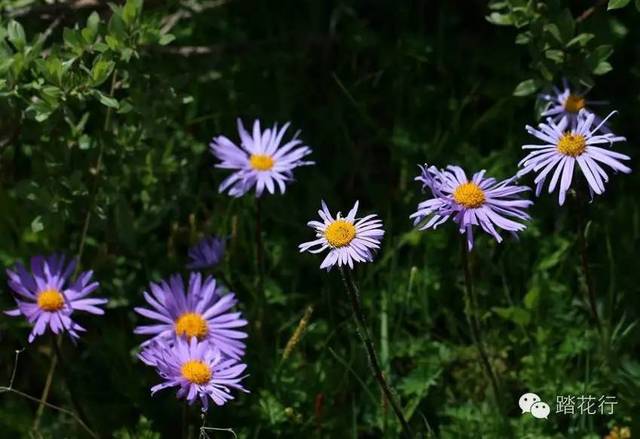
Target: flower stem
{"x": 584, "y": 261}
{"x": 74, "y": 400}
{"x": 47, "y": 387}
{"x": 471, "y": 313}
{"x": 259, "y": 248}
{"x": 352, "y": 291}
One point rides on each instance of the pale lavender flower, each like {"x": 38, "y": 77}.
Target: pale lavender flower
{"x": 202, "y": 313}
{"x": 481, "y": 201}
{"x": 563, "y": 147}
{"x": 348, "y": 239}
{"x": 260, "y": 161}
{"x": 47, "y": 297}
{"x": 206, "y": 253}
{"x": 565, "y": 102}
{"x": 198, "y": 369}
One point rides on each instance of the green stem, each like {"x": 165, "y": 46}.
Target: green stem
{"x": 471, "y": 310}
{"x": 584, "y": 262}
{"x": 352, "y": 291}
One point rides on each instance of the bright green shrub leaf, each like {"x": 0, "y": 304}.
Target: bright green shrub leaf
{"x": 526, "y": 88}
{"x": 617, "y": 4}
{"x": 16, "y": 35}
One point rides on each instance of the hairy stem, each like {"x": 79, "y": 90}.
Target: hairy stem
{"x": 471, "y": 313}
{"x": 584, "y": 261}
{"x": 352, "y": 291}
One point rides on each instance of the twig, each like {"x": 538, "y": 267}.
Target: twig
{"x": 352, "y": 291}
{"x": 204, "y": 429}
{"x": 10, "y": 389}
{"x": 587, "y": 13}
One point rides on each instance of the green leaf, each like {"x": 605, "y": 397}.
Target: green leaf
{"x": 581, "y": 39}
{"x": 555, "y": 55}
{"x": 526, "y": 88}
{"x": 36, "y": 225}
{"x": 101, "y": 70}
{"x": 617, "y": 4}
{"x": 602, "y": 68}
{"x": 107, "y": 100}
{"x": 638, "y": 5}
{"x": 519, "y": 316}
{"x": 500, "y": 19}
{"x": 90, "y": 32}
{"x": 166, "y": 39}
{"x": 131, "y": 11}
{"x": 532, "y": 298}
{"x": 73, "y": 40}
{"x": 16, "y": 35}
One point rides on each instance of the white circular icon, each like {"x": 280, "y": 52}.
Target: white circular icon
{"x": 540, "y": 410}
{"x": 527, "y": 400}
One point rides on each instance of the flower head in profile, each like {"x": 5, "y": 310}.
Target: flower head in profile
{"x": 206, "y": 253}
{"x": 47, "y": 297}
{"x": 565, "y": 102}
{"x": 261, "y": 161}
{"x": 480, "y": 201}
{"x": 201, "y": 312}
{"x": 564, "y": 147}
{"x": 348, "y": 239}
{"x": 199, "y": 370}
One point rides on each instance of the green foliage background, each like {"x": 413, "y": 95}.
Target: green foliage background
{"x": 105, "y": 115}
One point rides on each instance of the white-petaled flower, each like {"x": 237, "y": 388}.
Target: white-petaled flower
{"x": 349, "y": 239}
{"x": 564, "y": 147}
{"x": 260, "y": 161}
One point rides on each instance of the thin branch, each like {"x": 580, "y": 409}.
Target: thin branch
{"x": 204, "y": 429}
{"x": 10, "y": 389}
{"x": 587, "y": 13}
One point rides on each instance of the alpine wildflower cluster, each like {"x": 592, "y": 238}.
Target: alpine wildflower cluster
{"x": 195, "y": 341}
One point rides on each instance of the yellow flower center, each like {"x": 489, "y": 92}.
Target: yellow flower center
{"x": 50, "y": 300}
{"x": 469, "y": 195}
{"x": 340, "y": 233}
{"x": 192, "y": 324}
{"x": 196, "y": 372}
{"x": 572, "y": 144}
{"x": 574, "y": 103}
{"x": 261, "y": 162}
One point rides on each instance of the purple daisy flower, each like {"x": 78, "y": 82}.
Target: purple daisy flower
{"x": 202, "y": 313}
{"x": 564, "y": 147}
{"x": 259, "y": 161}
{"x": 198, "y": 369}
{"x": 349, "y": 239}
{"x": 47, "y": 297}
{"x": 206, "y": 253}
{"x": 563, "y": 102}
{"x": 481, "y": 201}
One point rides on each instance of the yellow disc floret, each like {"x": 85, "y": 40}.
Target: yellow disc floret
{"x": 574, "y": 103}
{"x": 261, "y": 162}
{"x": 50, "y": 300}
{"x": 196, "y": 372}
{"x": 192, "y": 324}
{"x": 340, "y": 233}
{"x": 469, "y": 195}
{"x": 572, "y": 144}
